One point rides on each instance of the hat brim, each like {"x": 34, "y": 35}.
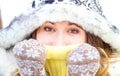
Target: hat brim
{"x": 89, "y": 20}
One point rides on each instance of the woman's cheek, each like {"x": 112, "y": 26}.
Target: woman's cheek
{"x": 76, "y": 39}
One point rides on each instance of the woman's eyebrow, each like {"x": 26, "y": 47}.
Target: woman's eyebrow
{"x": 50, "y": 22}
{"x": 72, "y": 23}
{"x": 75, "y": 25}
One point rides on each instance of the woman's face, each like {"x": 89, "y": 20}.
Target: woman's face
{"x": 60, "y": 34}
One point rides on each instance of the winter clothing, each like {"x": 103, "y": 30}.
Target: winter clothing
{"x": 83, "y": 61}
{"x": 86, "y": 13}
{"x": 30, "y": 56}
{"x": 33, "y": 59}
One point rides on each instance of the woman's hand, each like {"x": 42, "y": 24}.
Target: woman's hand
{"x": 83, "y": 61}
{"x": 30, "y": 56}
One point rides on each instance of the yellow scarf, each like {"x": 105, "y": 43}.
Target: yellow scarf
{"x": 56, "y": 60}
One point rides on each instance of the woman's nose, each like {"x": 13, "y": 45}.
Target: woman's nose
{"x": 60, "y": 40}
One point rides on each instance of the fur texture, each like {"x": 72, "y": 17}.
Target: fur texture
{"x": 8, "y": 63}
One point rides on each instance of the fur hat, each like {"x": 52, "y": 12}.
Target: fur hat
{"x": 86, "y": 13}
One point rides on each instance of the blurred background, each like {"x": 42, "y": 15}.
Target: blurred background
{"x": 11, "y": 8}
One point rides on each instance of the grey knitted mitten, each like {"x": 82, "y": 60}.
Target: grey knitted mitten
{"x": 83, "y": 61}
{"x": 30, "y": 57}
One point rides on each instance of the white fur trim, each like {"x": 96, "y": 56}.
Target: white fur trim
{"x": 7, "y": 63}
{"x": 88, "y": 19}
{"x": 114, "y": 69}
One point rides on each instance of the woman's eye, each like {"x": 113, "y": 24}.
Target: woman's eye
{"x": 48, "y": 29}
{"x": 73, "y": 31}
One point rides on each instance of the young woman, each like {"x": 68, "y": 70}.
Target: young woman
{"x": 62, "y": 23}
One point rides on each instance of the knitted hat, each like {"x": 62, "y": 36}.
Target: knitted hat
{"x": 86, "y": 13}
